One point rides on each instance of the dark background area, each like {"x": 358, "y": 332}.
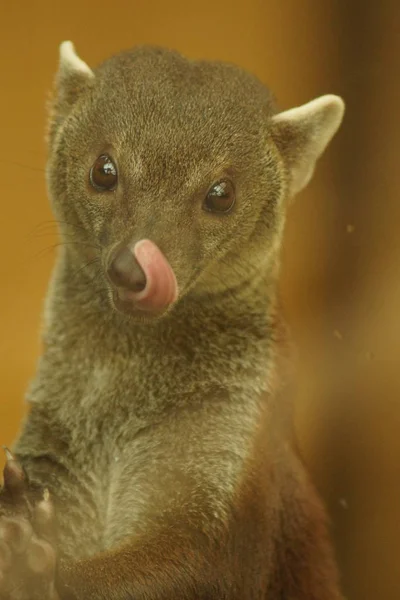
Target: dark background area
{"x": 340, "y": 279}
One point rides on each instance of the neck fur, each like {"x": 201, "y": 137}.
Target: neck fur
{"x": 236, "y": 330}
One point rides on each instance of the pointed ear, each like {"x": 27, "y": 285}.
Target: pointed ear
{"x": 302, "y": 134}
{"x": 72, "y": 78}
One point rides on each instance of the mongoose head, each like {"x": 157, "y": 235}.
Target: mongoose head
{"x": 175, "y": 175}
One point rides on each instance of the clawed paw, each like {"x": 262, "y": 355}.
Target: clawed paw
{"x": 27, "y": 539}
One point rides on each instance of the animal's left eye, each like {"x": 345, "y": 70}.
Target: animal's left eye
{"x": 103, "y": 174}
{"x": 220, "y": 197}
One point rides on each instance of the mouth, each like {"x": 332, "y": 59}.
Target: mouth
{"x": 131, "y": 309}
{"x": 158, "y": 289}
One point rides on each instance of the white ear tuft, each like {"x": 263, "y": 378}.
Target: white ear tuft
{"x": 70, "y": 61}
{"x": 74, "y": 77}
{"x": 302, "y": 134}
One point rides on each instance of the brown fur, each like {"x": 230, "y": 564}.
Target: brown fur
{"x": 166, "y": 443}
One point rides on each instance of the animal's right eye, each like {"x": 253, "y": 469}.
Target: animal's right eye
{"x": 103, "y": 174}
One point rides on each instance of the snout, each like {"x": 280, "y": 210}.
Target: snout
{"x": 141, "y": 278}
{"x": 125, "y": 272}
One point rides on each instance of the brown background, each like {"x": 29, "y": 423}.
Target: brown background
{"x": 340, "y": 286}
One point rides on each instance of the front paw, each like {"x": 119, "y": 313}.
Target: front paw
{"x": 27, "y": 539}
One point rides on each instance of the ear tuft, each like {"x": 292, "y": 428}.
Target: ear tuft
{"x": 70, "y": 61}
{"x": 73, "y": 78}
{"x": 303, "y": 133}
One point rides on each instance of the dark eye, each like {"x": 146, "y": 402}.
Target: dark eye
{"x": 103, "y": 174}
{"x": 220, "y": 197}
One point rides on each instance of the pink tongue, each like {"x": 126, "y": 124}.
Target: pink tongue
{"x": 161, "y": 286}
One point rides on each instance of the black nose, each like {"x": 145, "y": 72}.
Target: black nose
{"x": 124, "y": 271}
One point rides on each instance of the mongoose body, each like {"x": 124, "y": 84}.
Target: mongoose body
{"x": 157, "y": 460}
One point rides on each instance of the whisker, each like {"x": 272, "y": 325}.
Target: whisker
{"x": 49, "y": 233}
{"x": 97, "y": 279}
{"x": 84, "y": 266}
{"x": 43, "y": 252}
{"x": 69, "y": 241}
{"x": 46, "y": 225}
{"x": 58, "y": 222}
{"x": 30, "y": 168}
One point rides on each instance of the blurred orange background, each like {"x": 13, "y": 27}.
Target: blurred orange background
{"x": 340, "y": 278}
